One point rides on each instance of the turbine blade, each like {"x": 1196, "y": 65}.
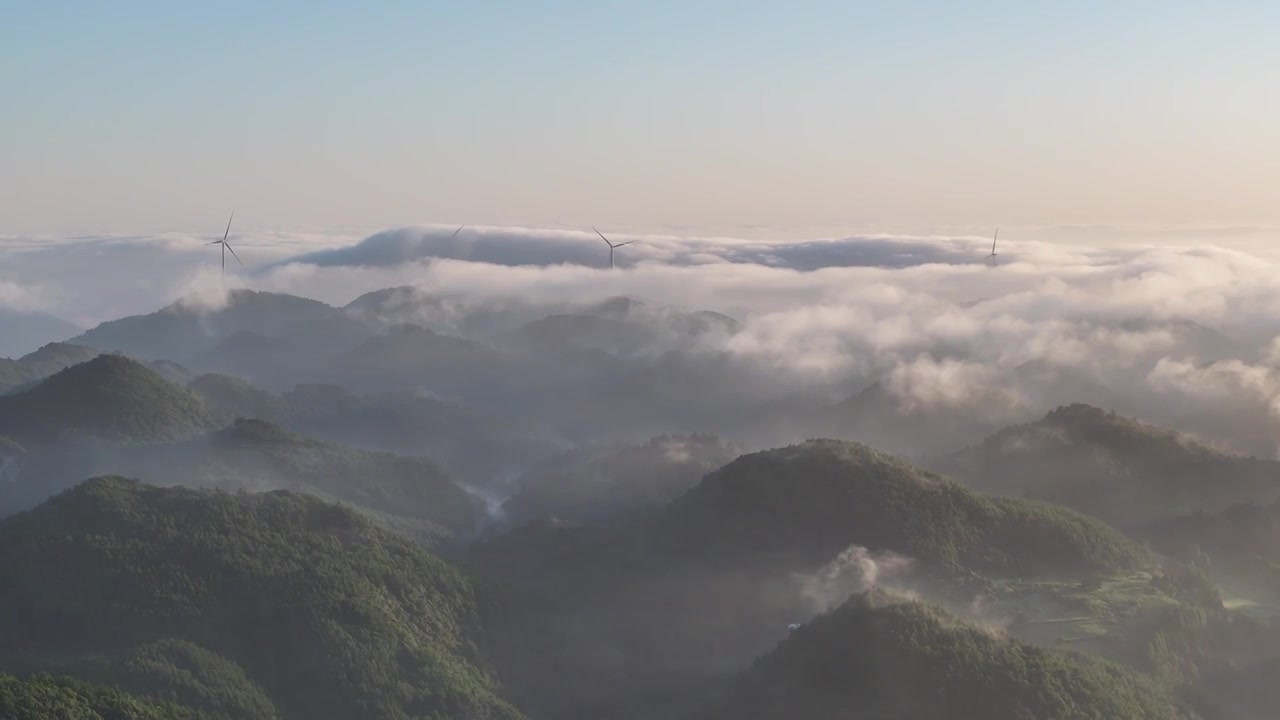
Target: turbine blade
{"x": 228, "y": 231}
{"x": 993, "y": 241}
{"x": 624, "y": 243}
{"x": 233, "y": 254}
{"x": 602, "y": 237}
{"x": 455, "y": 232}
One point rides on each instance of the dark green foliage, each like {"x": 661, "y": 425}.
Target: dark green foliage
{"x": 188, "y": 675}
{"x": 877, "y": 658}
{"x": 654, "y": 612}
{"x": 821, "y": 496}
{"x": 47, "y": 698}
{"x": 172, "y": 671}
{"x": 30, "y": 368}
{"x": 110, "y": 399}
{"x": 329, "y": 616}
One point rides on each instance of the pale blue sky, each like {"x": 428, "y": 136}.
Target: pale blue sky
{"x": 704, "y": 116}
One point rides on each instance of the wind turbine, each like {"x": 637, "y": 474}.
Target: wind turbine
{"x": 993, "y": 246}
{"x": 226, "y": 246}
{"x": 611, "y": 245}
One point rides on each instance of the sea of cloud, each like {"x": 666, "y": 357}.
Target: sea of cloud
{"x": 1191, "y": 328}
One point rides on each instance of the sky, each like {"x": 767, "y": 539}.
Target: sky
{"x": 744, "y": 118}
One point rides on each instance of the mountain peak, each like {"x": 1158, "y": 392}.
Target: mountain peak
{"x": 819, "y": 497}
{"x": 111, "y": 398}
{"x": 873, "y": 657}
{"x": 58, "y": 351}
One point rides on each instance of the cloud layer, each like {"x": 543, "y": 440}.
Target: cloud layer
{"x": 1179, "y": 332}
{"x": 519, "y": 247}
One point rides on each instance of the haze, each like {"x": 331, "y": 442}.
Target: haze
{"x": 789, "y": 437}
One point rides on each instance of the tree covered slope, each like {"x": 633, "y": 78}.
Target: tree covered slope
{"x": 329, "y": 616}
{"x": 877, "y": 657}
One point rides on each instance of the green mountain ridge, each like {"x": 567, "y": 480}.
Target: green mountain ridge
{"x": 44, "y": 697}
{"x": 821, "y": 496}
{"x": 657, "y": 612}
{"x": 256, "y": 455}
{"x": 110, "y": 399}
{"x": 278, "y": 593}
{"x": 879, "y": 657}
{"x": 1113, "y": 467}
{"x": 16, "y": 375}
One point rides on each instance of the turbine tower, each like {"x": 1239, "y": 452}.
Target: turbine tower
{"x": 611, "y": 245}
{"x": 227, "y": 246}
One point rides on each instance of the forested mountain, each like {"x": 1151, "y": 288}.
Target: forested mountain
{"x": 185, "y": 330}
{"x": 110, "y": 399}
{"x": 1239, "y": 545}
{"x": 240, "y": 606}
{"x": 622, "y": 577}
{"x": 821, "y": 496}
{"x": 881, "y": 657}
{"x": 48, "y": 698}
{"x": 658, "y": 612}
{"x": 39, "y": 364}
{"x": 1112, "y": 467}
{"x": 229, "y": 397}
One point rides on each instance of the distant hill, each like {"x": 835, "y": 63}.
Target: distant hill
{"x": 252, "y": 356}
{"x": 798, "y": 507}
{"x": 620, "y": 326}
{"x": 219, "y": 601}
{"x": 482, "y": 449}
{"x": 598, "y": 483}
{"x": 229, "y": 398}
{"x": 51, "y": 358}
{"x": 21, "y": 332}
{"x": 897, "y": 423}
{"x": 185, "y": 332}
{"x": 110, "y": 399}
{"x": 1113, "y": 467}
{"x": 1239, "y": 546}
{"x": 411, "y": 357}
{"x": 878, "y": 657}
{"x": 255, "y": 455}
{"x": 30, "y": 368}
